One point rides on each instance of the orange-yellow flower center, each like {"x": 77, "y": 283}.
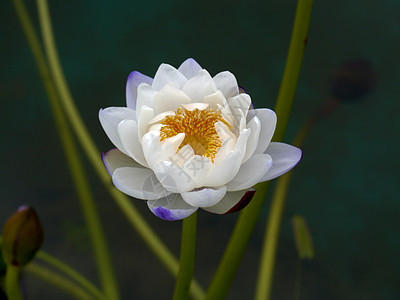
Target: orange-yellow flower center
{"x": 198, "y": 127}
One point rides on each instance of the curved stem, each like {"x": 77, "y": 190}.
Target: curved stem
{"x": 187, "y": 258}
{"x": 131, "y": 213}
{"x": 62, "y": 267}
{"x": 244, "y": 226}
{"x": 237, "y": 245}
{"x": 12, "y": 283}
{"x": 59, "y": 281}
{"x": 282, "y": 108}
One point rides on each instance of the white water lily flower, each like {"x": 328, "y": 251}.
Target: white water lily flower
{"x": 188, "y": 140}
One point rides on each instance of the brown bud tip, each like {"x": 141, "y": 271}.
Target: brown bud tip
{"x": 353, "y": 80}
{"x": 22, "y": 236}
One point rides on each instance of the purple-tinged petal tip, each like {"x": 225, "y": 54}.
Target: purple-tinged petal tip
{"x": 164, "y": 213}
{"x": 104, "y": 163}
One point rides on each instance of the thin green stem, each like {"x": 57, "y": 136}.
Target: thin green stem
{"x": 59, "y": 281}
{"x": 72, "y": 154}
{"x": 187, "y": 258}
{"x": 293, "y": 65}
{"x": 131, "y": 213}
{"x": 12, "y": 283}
{"x": 282, "y": 108}
{"x": 265, "y": 274}
{"x": 246, "y": 222}
{"x": 62, "y": 267}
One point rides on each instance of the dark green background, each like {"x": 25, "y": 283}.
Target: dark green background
{"x": 347, "y": 185}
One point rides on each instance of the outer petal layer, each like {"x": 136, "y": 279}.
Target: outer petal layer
{"x": 110, "y": 117}
{"x": 205, "y": 197}
{"x": 267, "y": 118}
{"x": 140, "y": 183}
{"x": 115, "y": 159}
{"x": 284, "y": 158}
{"x": 251, "y": 172}
{"x": 135, "y": 78}
{"x": 171, "y": 208}
{"x": 189, "y": 68}
{"x": 233, "y": 201}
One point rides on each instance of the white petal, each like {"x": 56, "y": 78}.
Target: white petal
{"x": 170, "y": 145}
{"x": 227, "y": 168}
{"x": 255, "y": 126}
{"x": 152, "y": 148}
{"x": 140, "y": 183}
{"x": 228, "y": 141}
{"x": 161, "y": 116}
{"x": 134, "y": 79}
{"x": 215, "y": 99}
{"x": 110, "y": 118}
{"x": 268, "y": 122}
{"x": 146, "y": 114}
{"x": 173, "y": 177}
{"x": 189, "y": 68}
{"x": 145, "y": 96}
{"x": 233, "y": 201}
{"x": 167, "y": 74}
{"x": 250, "y": 172}
{"x": 284, "y": 158}
{"x": 198, "y": 168}
{"x": 169, "y": 98}
{"x": 128, "y": 133}
{"x": 193, "y": 106}
{"x": 115, "y": 159}
{"x": 199, "y": 86}
{"x": 239, "y": 103}
{"x": 204, "y": 197}
{"x": 171, "y": 208}
{"x": 227, "y": 84}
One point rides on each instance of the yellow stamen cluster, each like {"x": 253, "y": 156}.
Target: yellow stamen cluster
{"x": 198, "y": 127}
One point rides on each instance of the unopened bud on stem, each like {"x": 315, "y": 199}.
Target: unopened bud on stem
{"x": 22, "y": 236}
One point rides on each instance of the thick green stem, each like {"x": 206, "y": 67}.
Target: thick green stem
{"x": 187, "y": 258}
{"x": 236, "y": 247}
{"x": 144, "y": 230}
{"x": 293, "y": 65}
{"x": 12, "y": 283}
{"x": 244, "y": 227}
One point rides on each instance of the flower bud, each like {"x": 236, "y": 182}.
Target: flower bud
{"x": 353, "y": 80}
{"x": 302, "y": 238}
{"x": 22, "y": 236}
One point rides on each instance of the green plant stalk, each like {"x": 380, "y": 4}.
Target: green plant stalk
{"x": 131, "y": 213}
{"x": 187, "y": 258}
{"x": 293, "y": 65}
{"x": 282, "y": 108}
{"x": 265, "y": 274}
{"x": 11, "y": 283}
{"x": 67, "y": 270}
{"x": 59, "y": 281}
{"x": 240, "y": 237}
{"x": 79, "y": 178}
{"x": 237, "y": 245}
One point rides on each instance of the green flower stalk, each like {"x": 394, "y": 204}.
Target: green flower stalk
{"x": 22, "y": 236}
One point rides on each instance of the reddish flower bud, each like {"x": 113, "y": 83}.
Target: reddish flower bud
{"x": 22, "y": 236}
